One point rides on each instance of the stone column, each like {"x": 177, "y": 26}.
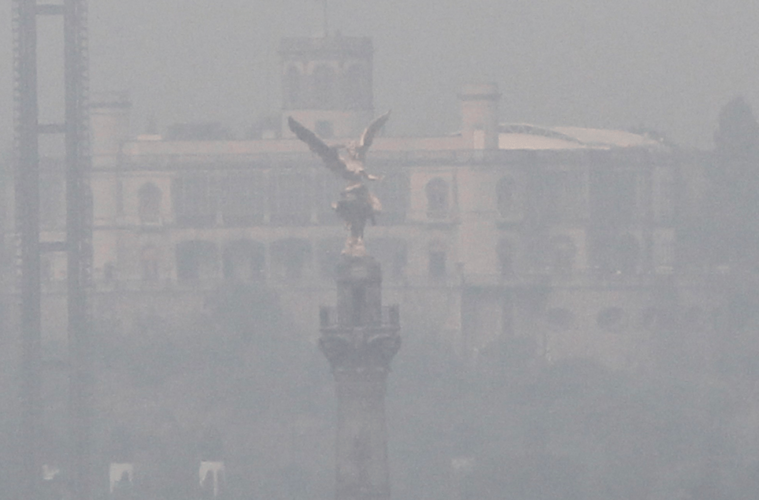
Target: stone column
{"x": 359, "y": 338}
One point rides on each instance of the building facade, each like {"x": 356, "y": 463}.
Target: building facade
{"x": 559, "y": 238}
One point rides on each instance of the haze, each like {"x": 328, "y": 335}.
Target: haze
{"x": 579, "y": 321}
{"x": 668, "y": 66}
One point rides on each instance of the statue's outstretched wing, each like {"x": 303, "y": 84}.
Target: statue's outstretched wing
{"x": 368, "y": 136}
{"x": 328, "y": 154}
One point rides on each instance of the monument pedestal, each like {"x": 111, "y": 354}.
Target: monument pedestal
{"x": 359, "y": 337}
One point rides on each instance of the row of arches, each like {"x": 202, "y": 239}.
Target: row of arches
{"x": 290, "y": 198}
{"x": 610, "y": 255}
{"x": 253, "y": 261}
{"x": 199, "y": 260}
{"x": 285, "y": 198}
{"x": 246, "y": 260}
{"x": 558, "y": 255}
{"x": 238, "y": 200}
{"x": 241, "y": 260}
{"x": 617, "y": 319}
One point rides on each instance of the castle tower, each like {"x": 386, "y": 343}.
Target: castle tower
{"x": 327, "y": 84}
{"x": 359, "y": 338}
{"x": 109, "y": 121}
{"x": 479, "y": 115}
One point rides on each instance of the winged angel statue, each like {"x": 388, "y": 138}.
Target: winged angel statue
{"x": 356, "y": 204}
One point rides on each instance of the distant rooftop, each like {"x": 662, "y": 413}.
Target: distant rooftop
{"x": 203, "y": 131}
{"x": 525, "y": 136}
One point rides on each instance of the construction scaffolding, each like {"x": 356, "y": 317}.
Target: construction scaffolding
{"x": 77, "y": 245}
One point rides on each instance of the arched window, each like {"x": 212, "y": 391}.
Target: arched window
{"x": 324, "y": 87}
{"x": 437, "y": 198}
{"x": 150, "y": 203}
{"x": 292, "y": 87}
{"x": 505, "y": 258}
{"x": 150, "y": 264}
{"x": 505, "y": 196}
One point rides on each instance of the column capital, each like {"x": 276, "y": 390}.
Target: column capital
{"x": 360, "y": 349}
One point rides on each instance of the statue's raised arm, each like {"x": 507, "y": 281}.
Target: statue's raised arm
{"x": 356, "y": 204}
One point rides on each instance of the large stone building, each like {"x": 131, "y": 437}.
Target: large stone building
{"x": 559, "y": 236}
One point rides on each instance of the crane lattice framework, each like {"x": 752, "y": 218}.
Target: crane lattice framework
{"x": 78, "y": 242}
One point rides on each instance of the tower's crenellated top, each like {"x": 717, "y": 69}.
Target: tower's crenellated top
{"x": 327, "y": 83}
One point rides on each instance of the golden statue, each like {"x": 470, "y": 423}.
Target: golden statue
{"x": 356, "y": 204}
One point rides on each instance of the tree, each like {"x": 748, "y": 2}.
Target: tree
{"x": 730, "y": 219}
{"x": 737, "y": 134}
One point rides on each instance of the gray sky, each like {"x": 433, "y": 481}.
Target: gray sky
{"x": 668, "y": 65}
